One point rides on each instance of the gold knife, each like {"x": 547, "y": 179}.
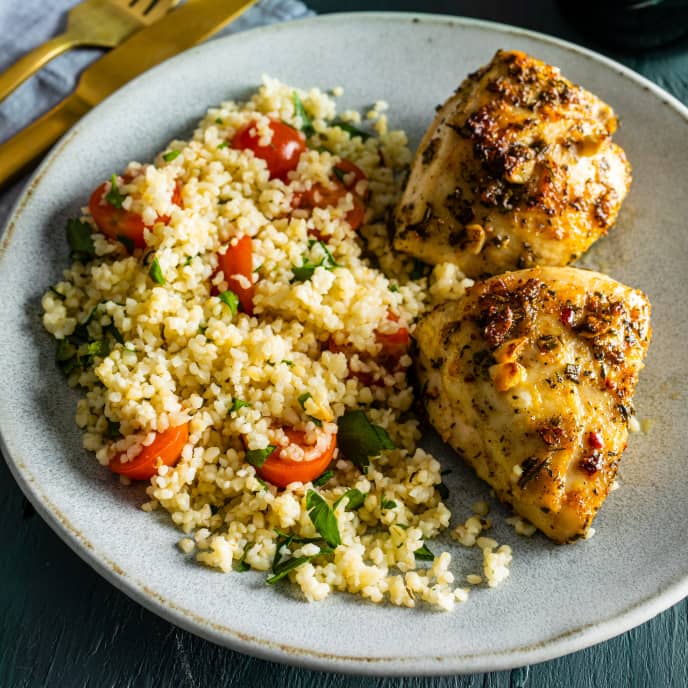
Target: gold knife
{"x": 182, "y": 28}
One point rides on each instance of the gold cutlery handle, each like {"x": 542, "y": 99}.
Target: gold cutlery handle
{"x": 33, "y": 61}
{"x": 35, "y": 139}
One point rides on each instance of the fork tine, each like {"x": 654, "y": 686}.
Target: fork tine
{"x": 158, "y": 8}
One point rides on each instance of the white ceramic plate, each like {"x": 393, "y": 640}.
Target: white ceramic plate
{"x": 558, "y": 599}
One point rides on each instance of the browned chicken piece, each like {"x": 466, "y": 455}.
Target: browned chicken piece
{"x": 518, "y": 169}
{"x": 529, "y": 377}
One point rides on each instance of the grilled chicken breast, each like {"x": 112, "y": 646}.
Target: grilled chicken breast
{"x": 518, "y": 169}
{"x": 530, "y": 376}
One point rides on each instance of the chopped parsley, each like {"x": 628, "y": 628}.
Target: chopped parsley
{"x": 80, "y": 240}
{"x": 237, "y": 404}
{"x": 283, "y": 562}
{"x": 394, "y": 287}
{"x": 128, "y": 243}
{"x": 354, "y": 497}
{"x": 155, "y": 272}
{"x": 112, "y": 432}
{"x": 257, "y": 457}
{"x": 424, "y": 554}
{"x": 360, "y": 440}
{"x": 171, "y": 155}
{"x": 114, "y": 197}
{"x": 243, "y": 565}
{"x": 287, "y": 363}
{"x": 323, "y": 479}
{"x": 388, "y": 503}
{"x": 350, "y": 129}
{"x": 300, "y": 111}
{"x": 323, "y": 518}
{"x": 222, "y": 145}
{"x": 305, "y": 271}
{"x": 219, "y": 120}
{"x": 303, "y": 398}
{"x": 231, "y": 299}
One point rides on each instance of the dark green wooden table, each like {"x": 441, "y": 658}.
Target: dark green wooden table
{"x": 62, "y": 625}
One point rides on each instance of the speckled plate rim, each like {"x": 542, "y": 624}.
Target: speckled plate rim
{"x": 139, "y": 591}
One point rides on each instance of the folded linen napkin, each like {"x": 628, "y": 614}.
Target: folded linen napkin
{"x": 28, "y": 23}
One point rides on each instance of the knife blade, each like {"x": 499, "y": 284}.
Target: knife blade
{"x": 180, "y": 29}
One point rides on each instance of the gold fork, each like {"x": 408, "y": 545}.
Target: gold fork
{"x": 103, "y": 23}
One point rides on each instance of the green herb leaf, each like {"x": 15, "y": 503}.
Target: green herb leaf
{"x": 65, "y": 350}
{"x": 354, "y": 497}
{"x": 257, "y": 457}
{"x": 112, "y": 431}
{"x": 305, "y": 271}
{"x": 222, "y": 145}
{"x": 231, "y": 299}
{"x": 114, "y": 197}
{"x": 302, "y": 401}
{"x": 128, "y": 243}
{"x": 242, "y": 565}
{"x": 219, "y": 120}
{"x": 323, "y": 518}
{"x": 388, "y": 504}
{"x": 323, "y": 479}
{"x": 287, "y": 363}
{"x": 300, "y": 111}
{"x": 237, "y": 404}
{"x": 350, "y": 129}
{"x": 114, "y": 333}
{"x": 294, "y": 563}
{"x": 393, "y": 287}
{"x": 80, "y": 240}
{"x": 359, "y": 439}
{"x": 263, "y": 484}
{"x": 155, "y": 272}
{"x": 424, "y": 554}
{"x": 171, "y": 155}
{"x": 339, "y": 173}
{"x": 187, "y": 261}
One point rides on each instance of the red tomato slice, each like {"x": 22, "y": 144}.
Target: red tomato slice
{"x": 394, "y": 344}
{"x": 114, "y": 222}
{"x": 238, "y": 261}
{"x": 350, "y": 175}
{"x": 283, "y": 152}
{"x": 320, "y": 196}
{"x": 166, "y": 448}
{"x": 281, "y": 472}
{"x": 118, "y": 223}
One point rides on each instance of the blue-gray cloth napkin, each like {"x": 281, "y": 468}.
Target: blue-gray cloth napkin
{"x": 26, "y": 24}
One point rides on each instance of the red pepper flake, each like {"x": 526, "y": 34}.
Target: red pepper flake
{"x": 567, "y": 316}
{"x": 595, "y": 440}
{"x": 591, "y": 464}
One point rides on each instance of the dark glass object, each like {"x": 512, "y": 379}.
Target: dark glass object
{"x": 629, "y": 24}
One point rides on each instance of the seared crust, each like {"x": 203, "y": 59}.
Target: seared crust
{"x": 517, "y": 169}
{"x": 530, "y": 377}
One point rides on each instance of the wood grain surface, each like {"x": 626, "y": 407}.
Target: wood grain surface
{"x": 61, "y": 625}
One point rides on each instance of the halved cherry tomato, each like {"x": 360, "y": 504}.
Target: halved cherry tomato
{"x": 238, "y": 260}
{"x": 321, "y": 196}
{"x": 166, "y": 448}
{"x": 281, "y": 472}
{"x": 281, "y": 154}
{"x": 394, "y": 344}
{"x": 118, "y": 223}
{"x": 350, "y": 175}
{"x": 115, "y": 222}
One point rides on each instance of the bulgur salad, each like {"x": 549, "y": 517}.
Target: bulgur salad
{"x": 240, "y": 328}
